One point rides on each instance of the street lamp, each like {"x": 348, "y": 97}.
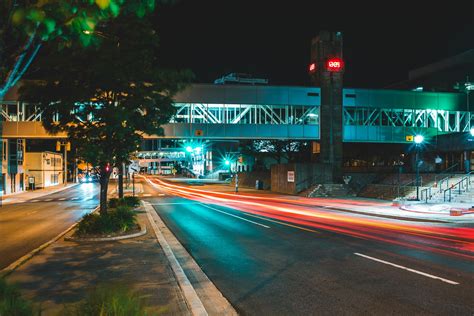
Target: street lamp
{"x": 418, "y": 140}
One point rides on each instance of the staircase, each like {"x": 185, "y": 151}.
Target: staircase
{"x": 458, "y": 189}
{"x": 328, "y": 190}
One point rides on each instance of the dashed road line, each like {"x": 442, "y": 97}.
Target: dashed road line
{"x": 283, "y": 223}
{"x": 407, "y": 269}
{"x": 244, "y": 219}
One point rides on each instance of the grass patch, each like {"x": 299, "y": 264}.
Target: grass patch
{"x": 119, "y": 220}
{"x": 11, "y": 302}
{"x": 109, "y": 300}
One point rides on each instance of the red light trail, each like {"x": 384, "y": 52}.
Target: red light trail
{"x": 454, "y": 241}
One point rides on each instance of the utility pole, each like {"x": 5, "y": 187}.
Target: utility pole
{"x": 67, "y": 147}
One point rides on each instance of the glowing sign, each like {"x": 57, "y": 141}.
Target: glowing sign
{"x": 334, "y": 64}
{"x": 312, "y": 68}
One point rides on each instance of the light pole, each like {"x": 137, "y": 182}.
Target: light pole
{"x": 67, "y": 147}
{"x": 418, "y": 140}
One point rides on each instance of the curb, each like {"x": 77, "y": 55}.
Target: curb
{"x": 192, "y": 299}
{"x": 209, "y": 291}
{"x": 142, "y": 232}
{"x": 19, "y": 262}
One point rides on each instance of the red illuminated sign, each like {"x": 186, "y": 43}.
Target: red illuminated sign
{"x": 334, "y": 64}
{"x": 312, "y": 68}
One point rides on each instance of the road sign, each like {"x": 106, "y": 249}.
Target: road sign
{"x": 198, "y": 132}
{"x": 133, "y": 167}
{"x": 409, "y": 138}
{"x": 291, "y": 176}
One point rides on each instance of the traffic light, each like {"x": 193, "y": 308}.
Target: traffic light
{"x": 241, "y": 159}
{"x": 68, "y": 146}
{"x": 58, "y": 146}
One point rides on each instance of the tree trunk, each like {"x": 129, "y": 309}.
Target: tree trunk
{"x": 120, "y": 180}
{"x": 104, "y": 185}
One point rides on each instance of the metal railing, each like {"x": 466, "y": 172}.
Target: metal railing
{"x": 425, "y": 194}
{"x": 445, "y": 175}
{"x": 411, "y": 185}
{"x": 461, "y": 185}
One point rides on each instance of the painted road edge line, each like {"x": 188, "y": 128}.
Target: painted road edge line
{"x": 408, "y": 269}
{"x": 193, "y": 300}
{"x": 244, "y": 219}
{"x": 19, "y": 262}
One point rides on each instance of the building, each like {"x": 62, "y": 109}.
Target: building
{"x": 12, "y": 173}
{"x": 44, "y": 169}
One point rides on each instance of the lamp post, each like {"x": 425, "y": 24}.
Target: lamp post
{"x": 67, "y": 147}
{"x": 418, "y": 140}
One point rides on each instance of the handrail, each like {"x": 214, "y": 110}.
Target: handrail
{"x": 440, "y": 183}
{"x": 427, "y": 193}
{"x": 459, "y": 184}
{"x": 401, "y": 188}
{"x": 446, "y": 170}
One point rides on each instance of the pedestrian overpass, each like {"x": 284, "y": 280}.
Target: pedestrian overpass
{"x": 278, "y": 112}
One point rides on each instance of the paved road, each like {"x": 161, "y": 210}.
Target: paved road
{"x": 270, "y": 265}
{"x": 25, "y": 226}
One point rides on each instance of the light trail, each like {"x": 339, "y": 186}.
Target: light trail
{"x": 452, "y": 241}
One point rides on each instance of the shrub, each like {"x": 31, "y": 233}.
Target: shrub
{"x": 124, "y": 218}
{"x": 110, "y": 300}
{"x": 113, "y": 202}
{"x": 11, "y": 302}
{"x": 131, "y": 201}
{"x": 121, "y": 219}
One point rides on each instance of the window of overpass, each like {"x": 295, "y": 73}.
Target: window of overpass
{"x": 443, "y": 121}
{"x": 245, "y": 114}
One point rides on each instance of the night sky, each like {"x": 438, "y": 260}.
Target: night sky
{"x": 383, "y": 40}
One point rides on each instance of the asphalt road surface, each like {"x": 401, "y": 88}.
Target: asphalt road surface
{"x": 27, "y": 225}
{"x": 272, "y": 258}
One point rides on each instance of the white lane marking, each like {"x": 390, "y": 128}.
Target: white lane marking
{"x": 33, "y": 200}
{"x": 146, "y": 194}
{"x": 407, "y": 269}
{"x": 62, "y": 199}
{"x": 48, "y": 200}
{"x": 161, "y": 194}
{"x": 286, "y": 224}
{"x": 244, "y": 219}
{"x": 174, "y": 203}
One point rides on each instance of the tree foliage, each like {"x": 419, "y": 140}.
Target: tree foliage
{"x": 279, "y": 150}
{"x": 107, "y": 97}
{"x": 25, "y": 25}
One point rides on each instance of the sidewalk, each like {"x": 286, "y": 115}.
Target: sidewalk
{"x": 64, "y": 272}
{"x": 21, "y": 197}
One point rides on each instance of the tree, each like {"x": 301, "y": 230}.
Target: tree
{"x": 278, "y": 150}
{"x": 26, "y": 25}
{"x": 107, "y": 97}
